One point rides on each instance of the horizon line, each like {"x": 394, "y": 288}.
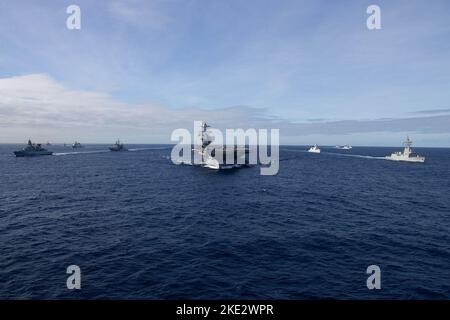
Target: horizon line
{"x": 281, "y": 145}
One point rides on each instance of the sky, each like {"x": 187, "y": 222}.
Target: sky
{"x": 140, "y": 69}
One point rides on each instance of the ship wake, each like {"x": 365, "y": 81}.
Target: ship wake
{"x": 78, "y": 152}
{"x": 341, "y": 154}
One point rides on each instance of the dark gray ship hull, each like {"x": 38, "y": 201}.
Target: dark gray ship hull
{"x": 117, "y": 149}
{"x": 32, "y": 153}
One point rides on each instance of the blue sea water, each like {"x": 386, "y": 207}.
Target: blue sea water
{"x": 141, "y": 227}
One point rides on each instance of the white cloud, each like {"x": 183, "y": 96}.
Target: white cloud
{"x": 37, "y": 101}
{"x": 37, "y": 106}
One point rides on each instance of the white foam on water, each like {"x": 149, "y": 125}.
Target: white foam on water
{"x": 355, "y": 155}
{"x": 78, "y": 152}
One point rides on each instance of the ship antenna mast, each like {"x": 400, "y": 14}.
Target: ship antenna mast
{"x": 408, "y": 142}
{"x": 203, "y": 149}
{"x": 207, "y": 142}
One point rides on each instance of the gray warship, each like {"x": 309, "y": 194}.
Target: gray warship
{"x": 77, "y": 145}
{"x": 32, "y": 150}
{"x": 118, "y": 146}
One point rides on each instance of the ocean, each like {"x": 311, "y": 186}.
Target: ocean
{"x": 140, "y": 227}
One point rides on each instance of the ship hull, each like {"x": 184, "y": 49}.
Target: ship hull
{"x": 238, "y": 156}
{"x": 405, "y": 159}
{"x": 215, "y": 165}
{"x": 117, "y": 150}
{"x": 32, "y": 154}
{"x": 343, "y": 148}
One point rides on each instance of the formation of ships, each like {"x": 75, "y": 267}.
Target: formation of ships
{"x": 208, "y": 153}
{"x": 407, "y": 155}
{"x": 36, "y": 149}
{"x": 315, "y": 148}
